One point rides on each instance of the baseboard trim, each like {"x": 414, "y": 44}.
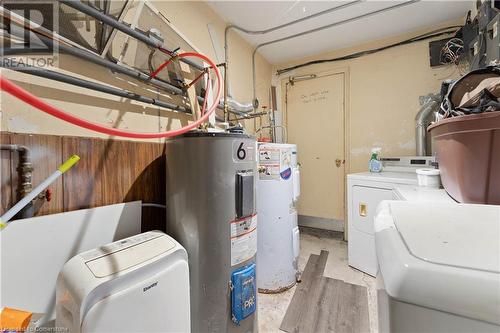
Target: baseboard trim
{"x": 321, "y": 223}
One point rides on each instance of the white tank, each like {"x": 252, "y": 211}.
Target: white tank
{"x": 278, "y": 245}
{"x": 138, "y": 284}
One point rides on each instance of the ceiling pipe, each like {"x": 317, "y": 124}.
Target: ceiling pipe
{"x": 80, "y": 6}
{"x": 55, "y": 43}
{"x": 255, "y": 104}
{"x": 96, "y": 59}
{"x": 331, "y": 25}
{"x": 93, "y": 58}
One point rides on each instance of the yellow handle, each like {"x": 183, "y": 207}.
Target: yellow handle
{"x": 2, "y": 225}
{"x": 362, "y": 209}
{"x": 69, "y": 163}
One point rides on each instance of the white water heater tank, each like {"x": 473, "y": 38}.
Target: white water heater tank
{"x": 138, "y": 284}
{"x": 278, "y": 190}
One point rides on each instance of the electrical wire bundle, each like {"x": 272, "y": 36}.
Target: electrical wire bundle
{"x": 451, "y": 30}
{"x": 452, "y": 51}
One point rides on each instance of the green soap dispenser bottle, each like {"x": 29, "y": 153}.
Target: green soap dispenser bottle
{"x": 375, "y": 165}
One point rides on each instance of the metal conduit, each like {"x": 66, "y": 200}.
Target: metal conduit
{"x": 254, "y": 104}
{"x": 331, "y": 25}
{"x": 78, "y": 5}
{"x": 305, "y": 18}
{"x": 48, "y": 74}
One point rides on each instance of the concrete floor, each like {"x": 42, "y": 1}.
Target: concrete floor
{"x": 272, "y": 307}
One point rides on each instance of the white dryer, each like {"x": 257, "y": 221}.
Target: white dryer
{"x": 138, "y": 284}
{"x": 439, "y": 267}
{"x": 364, "y": 192}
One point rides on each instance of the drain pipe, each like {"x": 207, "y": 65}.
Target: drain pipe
{"x": 331, "y": 25}
{"x": 25, "y": 169}
{"x": 245, "y": 107}
{"x": 430, "y": 104}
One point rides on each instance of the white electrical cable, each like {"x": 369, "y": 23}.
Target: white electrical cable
{"x": 154, "y": 205}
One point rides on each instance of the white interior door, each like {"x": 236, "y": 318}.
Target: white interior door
{"x": 315, "y": 121}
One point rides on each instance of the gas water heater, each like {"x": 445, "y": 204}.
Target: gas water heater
{"x": 211, "y": 212}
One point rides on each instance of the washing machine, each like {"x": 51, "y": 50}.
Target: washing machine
{"x": 439, "y": 267}
{"x": 365, "y": 191}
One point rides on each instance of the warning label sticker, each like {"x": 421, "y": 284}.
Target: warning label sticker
{"x": 275, "y": 163}
{"x": 270, "y": 172}
{"x": 243, "y": 239}
{"x": 269, "y": 155}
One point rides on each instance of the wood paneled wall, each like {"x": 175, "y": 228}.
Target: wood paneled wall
{"x": 109, "y": 172}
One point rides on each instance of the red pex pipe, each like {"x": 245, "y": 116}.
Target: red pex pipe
{"x": 34, "y": 101}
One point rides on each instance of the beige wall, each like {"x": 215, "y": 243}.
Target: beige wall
{"x": 191, "y": 19}
{"x": 383, "y": 95}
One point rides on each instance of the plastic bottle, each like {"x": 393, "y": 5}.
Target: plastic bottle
{"x": 374, "y": 165}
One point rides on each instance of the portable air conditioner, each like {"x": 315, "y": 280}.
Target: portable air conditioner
{"x": 138, "y": 284}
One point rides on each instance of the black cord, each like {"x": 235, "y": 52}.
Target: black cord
{"x": 431, "y": 34}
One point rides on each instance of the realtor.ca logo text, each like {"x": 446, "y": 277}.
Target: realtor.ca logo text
{"x": 29, "y": 31}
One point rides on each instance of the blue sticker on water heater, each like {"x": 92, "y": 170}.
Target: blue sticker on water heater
{"x": 286, "y": 174}
{"x": 243, "y": 293}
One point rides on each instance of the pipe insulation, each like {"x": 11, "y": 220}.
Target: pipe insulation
{"x": 34, "y": 101}
{"x": 81, "y": 53}
{"x": 57, "y": 76}
{"x": 93, "y": 58}
{"x": 135, "y": 74}
{"x": 240, "y": 107}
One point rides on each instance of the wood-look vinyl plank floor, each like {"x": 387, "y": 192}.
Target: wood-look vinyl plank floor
{"x": 322, "y": 304}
